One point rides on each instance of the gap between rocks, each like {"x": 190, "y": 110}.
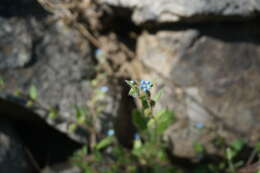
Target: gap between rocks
{"x": 44, "y": 144}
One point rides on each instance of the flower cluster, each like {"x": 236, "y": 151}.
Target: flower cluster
{"x": 145, "y": 85}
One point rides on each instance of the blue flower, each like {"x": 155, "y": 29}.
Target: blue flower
{"x": 110, "y": 132}
{"x": 98, "y": 52}
{"x": 103, "y": 89}
{"x": 137, "y": 137}
{"x": 199, "y": 125}
{"x": 145, "y": 85}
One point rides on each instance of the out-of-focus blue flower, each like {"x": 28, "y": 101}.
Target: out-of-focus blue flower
{"x": 98, "y": 52}
{"x": 145, "y": 85}
{"x": 110, "y": 132}
{"x": 103, "y": 89}
{"x": 137, "y": 137}
{"x": 137, "y": 141}
{"x": 145, "y": 82}
{"x": 100, "y": 55}
{"x": 199, "y": 125}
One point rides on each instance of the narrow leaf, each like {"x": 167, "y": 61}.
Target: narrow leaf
{"x": 164, "y": 119}
{"x": 2, "y": 83}
{"x": 52, "y": 114}
{"x": 72, "y": 128}
{"x": 33, "y": 92}
{"x": 158, "y": 95}
{"x": 238, "y": 144}
{"x": 139, "y": 120}
{"x": 104, "y": 143}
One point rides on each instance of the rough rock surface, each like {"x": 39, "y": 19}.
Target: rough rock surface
{"x": 187, "y": 10}
{"x": 210, "y": 75}
{"x": 56, "y": 59}
{"x": 12, "y": 154}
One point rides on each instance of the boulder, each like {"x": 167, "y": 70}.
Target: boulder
{"x": 188, "y": 10}
{"x": 49, "y": 56}
{"x": 210, "y": 78}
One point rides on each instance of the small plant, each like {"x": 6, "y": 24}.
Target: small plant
{"x": 231, "y": 152}
{"x": 150, "y": 125}
{"x": 148, "y": 153}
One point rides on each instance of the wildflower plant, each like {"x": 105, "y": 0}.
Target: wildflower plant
{"x": 148, "y": 152}
{"x": 150, "y": 125}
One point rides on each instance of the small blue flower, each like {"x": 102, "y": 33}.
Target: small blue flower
{"x": 142, "y": 82}
{"x": 145, "y": 85}
{"x": 199, "y": 125}
{"x": 99, "y": 53}
{"x": 137, "y": 137}
{"x": 103, "y": 89}
{"x": 145, "y": 82}
{"x": 110, "y": 132}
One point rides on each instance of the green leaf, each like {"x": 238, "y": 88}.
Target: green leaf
{"x": 238, "y": 144}
{"x": 158, "y": 95}
{"x": 80, "y": 114}
{"x": 72, "y": 128}
{"x": 128, "y": 82}
{"x": 137, "y": 144}
{"x": 138, "y": 151}
{"x": 139, "y": 120}
{"x": 257, "y": 147}
{"x": 230, "y": 154}
{"x": 52, "y": 114}
{"x": 29, "y": 103}
{"x": 17, "y": 92}
{"x": 133, "y": 92}
{"x": 104, "y": 142}
{"x": 97, "y": 156}
{"x": 94, "y": 83}
{"x": 198, "y": 148}
{"x": 164, "y": 119}
{"x": 33, "y": 92}
{"x": 2, "y": 83}
{"x": 84, "y": 150}
{"x": 144, "y": 102}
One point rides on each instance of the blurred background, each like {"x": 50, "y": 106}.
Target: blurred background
{"x": 58, "y": 57}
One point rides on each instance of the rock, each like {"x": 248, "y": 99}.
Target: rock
{"x": 191, "y": 11}
{"x": 13, "y": 157}
{"x": 62, "y": 168}
{"x": 15, "y": 43}
{"x": 210, "y": 75}
{"x": 52, "y": 57}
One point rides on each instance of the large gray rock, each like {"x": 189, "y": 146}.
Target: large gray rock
{"x": 211, "y": 77}
{"x": 13, "y": 157}
{"x": 15, "y": 44}
{"x": 187, "y": 10}
{"x": 54, "y": 58}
